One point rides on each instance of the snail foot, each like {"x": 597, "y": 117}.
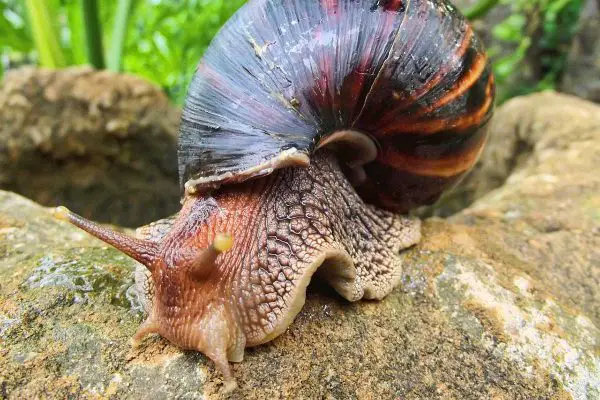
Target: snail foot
{"x": 148, "y": 327}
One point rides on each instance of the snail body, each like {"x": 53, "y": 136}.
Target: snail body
{"x": 308, "y": 127}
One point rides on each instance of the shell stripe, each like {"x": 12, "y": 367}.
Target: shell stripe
{"x": 462, "y": 86}
{"x": 446, "y": 167}
{"x": 356, "y": 86}
{"x": 405, "y": 81}
{"x": 474, "y": 70}
{"x": 425, "y": 127}
{"x": 391, "y": 5}
{"x": 331, "y": 6}
{"x": 410, "y": 99}
{"x": 399, "y": 190}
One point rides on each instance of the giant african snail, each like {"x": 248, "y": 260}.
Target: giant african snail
{"x": 308, "y": 125}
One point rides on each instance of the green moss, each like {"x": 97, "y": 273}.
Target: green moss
{"x": 87, "y": 273}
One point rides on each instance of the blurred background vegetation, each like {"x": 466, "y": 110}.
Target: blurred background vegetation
{"x": 529, "y": 41}
{"x": 160, "y": 40}
{"x": 163, "y": 40}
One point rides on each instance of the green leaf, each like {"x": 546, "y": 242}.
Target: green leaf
{"x": 511, "y": 29}
{"x": 480, "y": 9}
{"x": 74, "y": 10}
{"x": 115, "y": 56}
{"x": 506, "y": 66}
{"x": 12, "y": 34}
{"x": 45, "y": 35}
{"x": 93, "y": 33}
{"x": 165, "y": 42}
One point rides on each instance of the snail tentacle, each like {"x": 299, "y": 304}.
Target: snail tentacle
{"x": 140, "y": 250}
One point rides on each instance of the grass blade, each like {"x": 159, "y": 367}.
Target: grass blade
{"x": 93, "y": 33}
{"x": 78, "y": 40}
{"x": 45, "y": 35}
{"x": 119, "y": 35}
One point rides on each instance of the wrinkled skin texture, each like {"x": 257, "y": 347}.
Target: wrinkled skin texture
{"x": 285, "y": 226}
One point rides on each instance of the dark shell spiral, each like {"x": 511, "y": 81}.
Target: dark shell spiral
{"x": 283, "y": 74}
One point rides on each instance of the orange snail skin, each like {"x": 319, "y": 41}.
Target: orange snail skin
{"x": 309, "y": 128}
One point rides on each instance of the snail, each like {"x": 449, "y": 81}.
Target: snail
{"x": 310, "y": 129}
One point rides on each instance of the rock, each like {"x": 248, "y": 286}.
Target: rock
{"x": 101, "y": 143}
{"x": 582, "y": 75}
{"x": 499, "y": 301}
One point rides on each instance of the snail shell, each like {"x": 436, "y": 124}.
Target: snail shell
{"x": 284, "y": 78}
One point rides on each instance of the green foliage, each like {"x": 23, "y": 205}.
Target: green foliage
{"x": 45, "y": 34}
{"x": 15, "y": 38}
{"x": 121, "y": 25}
{"x": 540, "y": 32}
{"x": 26, "y": 17}
{"x": 480, "y": 9}
{"x": 77, "y": 36}
{"x": 93, "y": 33}
{"x": 13, "y": 34}
{"x": 165, "y": 43}
{"x": 161, "y": 40}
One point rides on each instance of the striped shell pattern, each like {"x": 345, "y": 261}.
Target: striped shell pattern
{"x": 283, "y": 75}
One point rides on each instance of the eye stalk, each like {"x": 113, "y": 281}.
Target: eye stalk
{"x": 204, "y": 261}
{"x": 143, "y": 251}
{"x": 200, "y": 262}
{"x": 223, "y": 242}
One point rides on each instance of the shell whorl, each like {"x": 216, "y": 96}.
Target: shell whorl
{"x": 282, "y": 75}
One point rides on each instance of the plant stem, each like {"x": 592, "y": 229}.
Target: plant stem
{"x": 93, "y": 33}
{"x": 77, "y": 26}
{"x": 481, "y": 9}
{"x": 119, "y": 35}
{"x": 44, "y": 35}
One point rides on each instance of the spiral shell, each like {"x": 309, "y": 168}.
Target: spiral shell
{"x": 283, "y": 76}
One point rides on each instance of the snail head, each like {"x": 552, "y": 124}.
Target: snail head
{"x": 190, "y": 268}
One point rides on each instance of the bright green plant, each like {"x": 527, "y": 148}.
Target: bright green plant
{"x": 166, "y": 42}
{"x": 161, "y": 40}
{"x": 45, "y": 34}
{"x": 14, "y": 37}
{"x": 77, "y": 41}
{"x": 121, "y": 26}
{"x": 93, "y": 33}
{"x": 12, "y": 29}
{"x": 540, "y": 32}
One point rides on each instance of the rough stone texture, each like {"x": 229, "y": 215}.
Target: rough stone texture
{"x": 499, "y": 302}
{"x": 582, "y": 76}
{"x": 101, "y": 143}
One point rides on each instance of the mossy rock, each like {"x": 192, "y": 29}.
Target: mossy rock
{"x": 499, "y": 301}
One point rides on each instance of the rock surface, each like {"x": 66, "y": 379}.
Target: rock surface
{"x": 101, "y": 143}
{"x": 501, "y": 301}
{"x": 582, "y": 76}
